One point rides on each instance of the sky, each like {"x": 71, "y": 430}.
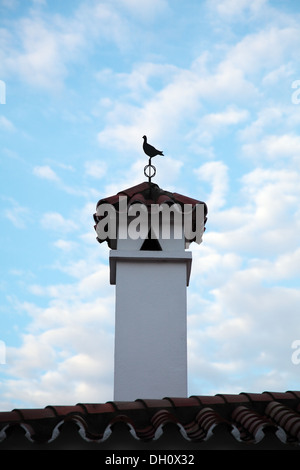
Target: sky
{"x": 215, "y": 85}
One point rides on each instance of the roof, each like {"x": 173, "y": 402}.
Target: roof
{"x": 246, "y": 419}
{"x": 148, "y": 194}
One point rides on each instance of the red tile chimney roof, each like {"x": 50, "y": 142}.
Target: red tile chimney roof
{"x": 149, "y": 193}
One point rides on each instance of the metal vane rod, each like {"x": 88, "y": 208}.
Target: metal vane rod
{"x": 149, "y": 171}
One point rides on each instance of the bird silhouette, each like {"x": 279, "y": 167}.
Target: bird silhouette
{"x": 149, "y": 149}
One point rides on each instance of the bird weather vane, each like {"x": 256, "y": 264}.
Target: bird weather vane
{"x": 150, "y": 170}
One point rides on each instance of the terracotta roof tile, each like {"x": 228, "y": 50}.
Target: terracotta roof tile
{"x": 139, "y": 188}
{"x": 250, "y": 424}
{"x": 34, "y": 414}
{"x": 247, "y": 418}
{"x": 281, "y": 395}
{"x": 233, "y": 398}
{"x": 10, "y": 417}
{"x": 90, "y": 408}
{"x": 178, "y": 402}
{"x": 123, "y": 405}
{"x": 155, "y": 403}
{"x": 257, "y": 397}
{"x": 210, "y": 400}
{"x": 286, "y": 418}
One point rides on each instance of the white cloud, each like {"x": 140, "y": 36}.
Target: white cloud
{"x": 66, "y": 355}
{"x": 285, "y": 266}
{"x": 97, "y": 21}
{"x": 45, "y": 172}
{"x": 37, "y": 60}
{"x": 96, "y": 169}
{"x": 279, "y": 74}
{"x": 18, "y": 215}
{"x": 214, "y": 173}
{"x": 274, "y": 147}
{"x": 212, "y": 124}
{"x": 236, "y": 9}
{"x": 6, "y": 124}
{"x": 56, "y": 222}
{"x": 265, "y": 218}
{"x": 244, "y": 298}
{"x": 263, "y": 50}
{"x": 40, "y": 47}
{"x": 245, "y": 328}
{"x": 228, "y": 117}
{"x": 211, "y": 267}
{"x": 177, "y": 102}
{"x": 266, "y": 118}
{"x": 65, "y": 245}
{"x": 138, "y": 83}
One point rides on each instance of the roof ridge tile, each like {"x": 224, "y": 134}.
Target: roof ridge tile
{"x": 231, "y": 398}
{"x": 35, "y": 413}
{"x": 257, "y": 397}
{"x": 96, "y": 408}
{"x": 178, "y": 402}
{"x": 155, "y": 402}
{"x": 209, "y": 399}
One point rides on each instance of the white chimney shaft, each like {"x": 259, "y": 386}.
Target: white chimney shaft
{"x": 150, "y": 328}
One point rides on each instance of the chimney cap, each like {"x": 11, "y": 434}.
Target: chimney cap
{"x": 148, "y": 194}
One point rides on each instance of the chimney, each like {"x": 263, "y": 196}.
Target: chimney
{"x": 148, "y": 231}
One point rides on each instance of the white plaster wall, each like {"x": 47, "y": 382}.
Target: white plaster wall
{"x": 150, "y": 331}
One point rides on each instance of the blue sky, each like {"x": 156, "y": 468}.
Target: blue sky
{"x": 211, "y": 84}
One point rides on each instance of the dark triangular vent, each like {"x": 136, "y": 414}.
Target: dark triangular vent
{"x": 151, "y": 244}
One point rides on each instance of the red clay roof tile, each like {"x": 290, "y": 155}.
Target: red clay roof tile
{"x": 247, "y": 418}
{"x": 233, "y": 398}
{"x": 90, "y": 408}
{"x": 210, "y": 400}
{"x": 139, "y": 188}
{"x": 257, "y": 397}
{"x": 33, "y": 414}
{"x": 286, "y": 418}
{"x": 63, "y": 410}
{"x": 178, "y": 402}
{"x": 123, "y": 405}
{"x": 155, "y": 403}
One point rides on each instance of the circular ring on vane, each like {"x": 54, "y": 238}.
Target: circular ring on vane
{"x": 149, "y": 171}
